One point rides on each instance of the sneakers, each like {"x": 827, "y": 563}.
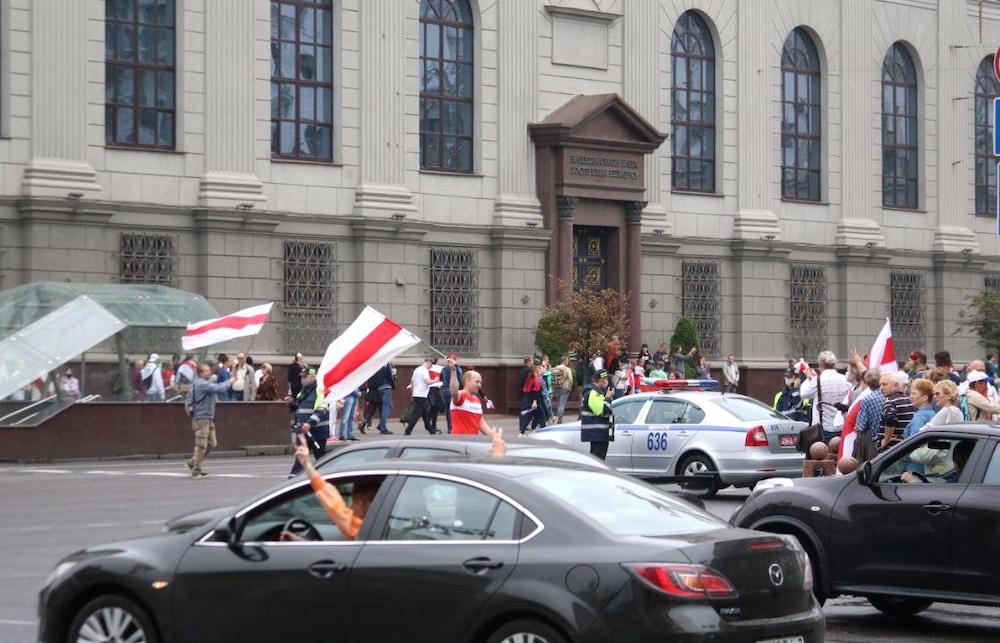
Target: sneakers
{"x": 190, "y": 465}
{"x": 198, "y": 474}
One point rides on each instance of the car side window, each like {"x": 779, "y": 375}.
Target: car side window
{"x": 357, "y": 457}
{"x": 413, "y": 453}
{"x": 627, "y": 411}
{"x": 666, "y": 412}
{"x": 503, "y": 524}
{"x": 433, "y": 509}
{"x": 993, "y": 470}
{"x": 693, "y": 414}
{"x": 933, "y": 460}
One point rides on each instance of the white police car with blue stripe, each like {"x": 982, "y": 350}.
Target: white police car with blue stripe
{"x": 681, "y": 428}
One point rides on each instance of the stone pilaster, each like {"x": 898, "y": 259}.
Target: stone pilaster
{"x": 563, "y": 246}
{"x": 859, "y": 225}
{"x": 953, "y": 233}
{"x": 760, "y": 272}
{"x": 381, "y": 190}
{"x": 59, "y": 58}
{"x": 633, "y": 268}
{"x": 755, "y": 219}
{"x": 641, "y": 70}
{"x": 517, "y": 62}
{"x": 230, "y": 56}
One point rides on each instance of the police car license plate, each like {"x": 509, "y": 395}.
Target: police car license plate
{"x": 784, "y": 639}
{"x": 787, "y": 441}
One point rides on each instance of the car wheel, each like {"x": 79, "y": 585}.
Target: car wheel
{"x": 112, "y": 618}
{"x": 699, "y": 463}
{"x": 899, "y": 606}
{"x": 526, "y": 631}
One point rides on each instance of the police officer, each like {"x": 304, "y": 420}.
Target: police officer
{"x": 789, "y": 400}
{"x": 596, "y": 422}
{"x": 303, "y": 406}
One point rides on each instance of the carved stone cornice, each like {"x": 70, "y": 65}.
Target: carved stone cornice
{"x": 633, "y": 211}
{"x": 387, "y": 229}
{"x": 565, "y": 206}
{"x": 233, "y": 220}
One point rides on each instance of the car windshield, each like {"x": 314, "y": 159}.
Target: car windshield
{"x": 560, "y": 455}
{"x": 747, "y": 409}
{"x": 625, "y": 507}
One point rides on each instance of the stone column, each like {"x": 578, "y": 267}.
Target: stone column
{"x": 564, "y": 244}
{"x": 859, "y": 224}
{"x": 230, "y": 56}
{"x": 59, "y": 58}
{"x": 953, "y": 233}
{"x": 381, "y": 190}
{"x": 517, "y": 53}
{"x": 641, "y": 70}
{"x": 633, "y": 268}
{"x": 755, "y": 220}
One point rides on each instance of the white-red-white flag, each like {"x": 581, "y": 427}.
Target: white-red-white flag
{"x": 367, "y": 345}
{"x": 882, "y": 355}
{"x": 242, "y": 323}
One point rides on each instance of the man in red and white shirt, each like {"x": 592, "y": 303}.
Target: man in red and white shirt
{"x": 466, "y": 407}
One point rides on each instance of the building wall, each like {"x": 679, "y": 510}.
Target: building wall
{"x": 615, "y": 47}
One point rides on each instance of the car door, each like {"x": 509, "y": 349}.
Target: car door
{"x": 976, "y": 546}
{"x": 654, "y": 445}
{"x": 266, "y": 590}
{"x": 444, "y": 547}
{"x": 626, "y": 411}
{"x": 894, "y": 534}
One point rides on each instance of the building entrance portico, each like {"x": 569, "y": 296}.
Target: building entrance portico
{"x": 591, "y": 186}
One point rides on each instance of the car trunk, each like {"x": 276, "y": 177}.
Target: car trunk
{"x": 751, "y": 564}
{"x": 782, "y": 435}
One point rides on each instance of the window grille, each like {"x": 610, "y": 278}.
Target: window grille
{"x": 701, "y": 301}
{"x": 454, "y": 300}
{"x": 992, "y": 282}
{"x": 809, "y": 302}
{"x": 906, "y": 311}
{"x": 310, "y": 295}
{"x": 147, "y": 259}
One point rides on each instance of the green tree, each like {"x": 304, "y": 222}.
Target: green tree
{"x": 583, "y": 321}
{"x": 982, "y": 318}
{"x": 686, "y": 336}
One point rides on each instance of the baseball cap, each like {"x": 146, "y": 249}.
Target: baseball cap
{"x": 790, "y": 371}
{"x": 978, "y": 376}
{"x": 311, "y": 371}
{"x": 153, "y": 357}
{"x": 453, "y": 356}
{"x": 600, "y": 375}
{"x": 914, "y": 355}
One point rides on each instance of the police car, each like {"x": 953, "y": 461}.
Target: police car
{"x": 680, "y": 427}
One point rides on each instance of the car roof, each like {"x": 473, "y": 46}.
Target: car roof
{"x": 683, "y": 394}
{"x": 976, "y": 428}
{"x": 473, "y": 467}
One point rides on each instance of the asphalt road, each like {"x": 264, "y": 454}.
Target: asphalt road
{"x": 49, "y": 511}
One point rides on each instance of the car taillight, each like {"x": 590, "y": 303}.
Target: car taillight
{"x": 684, "y": 581}
{"x": 756, "y": 437}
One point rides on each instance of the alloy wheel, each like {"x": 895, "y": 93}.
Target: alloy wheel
{"x": 111, "y": 625}
{"x": 694, "y": 467}
{"x": 525, "y": 637}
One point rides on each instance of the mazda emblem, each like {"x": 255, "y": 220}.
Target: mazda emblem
{"x": 776, "y": 575}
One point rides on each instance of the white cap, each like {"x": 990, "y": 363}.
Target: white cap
{"x": 977, "y": 376}
{"x": 154, "y": 357}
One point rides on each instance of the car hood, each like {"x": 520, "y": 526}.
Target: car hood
{"x": 186, "y": 522}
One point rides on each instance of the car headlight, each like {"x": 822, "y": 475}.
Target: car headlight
{"x": 60, "y": 569}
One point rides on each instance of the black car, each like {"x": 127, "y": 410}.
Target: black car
{"x": 409, "y": 448}
{"x": 918, "y": 524}
{"x": 494, "y": 550}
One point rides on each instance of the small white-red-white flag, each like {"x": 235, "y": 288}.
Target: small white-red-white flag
{"x": 367, "y": 345}
{"x": 242, "y": 323}
{"x": 882, "y": 355}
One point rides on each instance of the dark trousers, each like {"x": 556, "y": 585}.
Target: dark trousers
{"x": 317, "y": 444}
{"x": 535, "y": 417}
{"x": 446, "y": 399}
{"x": 418, "y": 412}
{"x": 433, "y": 406}
{"x": 599, "y": 450}
{"x": 384, "y": 410}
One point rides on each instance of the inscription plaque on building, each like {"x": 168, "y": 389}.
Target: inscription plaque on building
{"x": 602, "y": 169}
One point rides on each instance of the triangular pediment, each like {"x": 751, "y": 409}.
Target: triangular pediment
{"x": 604, "y": 118}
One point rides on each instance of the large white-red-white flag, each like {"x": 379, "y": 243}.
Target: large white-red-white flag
{"x": 882, "y": 355}
{"x": 242, "y": 323}
{"x": 367, "y": 345}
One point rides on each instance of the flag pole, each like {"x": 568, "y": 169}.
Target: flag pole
{"x": 433, "y": 349}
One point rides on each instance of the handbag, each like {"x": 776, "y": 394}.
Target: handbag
{"x": 814, "y": 432}
{"x": 864, "y": 447}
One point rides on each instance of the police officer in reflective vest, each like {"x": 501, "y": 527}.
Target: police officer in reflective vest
{"x": 596, "y": 422}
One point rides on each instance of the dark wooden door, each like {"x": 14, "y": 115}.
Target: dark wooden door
{"x": 590, "y": 257}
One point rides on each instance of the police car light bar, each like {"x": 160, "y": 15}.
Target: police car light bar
{"x": 656, "y": 383}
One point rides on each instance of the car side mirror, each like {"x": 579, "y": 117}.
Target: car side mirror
{"x": 865, "y": 474}
{"x": 226, "y": 531}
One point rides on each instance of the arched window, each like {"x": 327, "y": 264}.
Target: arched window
{"x": 692, "y": 100}
{"x": 446, "y": 85}
{"x": 987, "y": 88}
{"x": 899, "y": 129}
{"x": 801, "y": 123}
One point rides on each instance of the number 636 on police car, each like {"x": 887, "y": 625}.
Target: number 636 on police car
{"x": 656, "y": 441}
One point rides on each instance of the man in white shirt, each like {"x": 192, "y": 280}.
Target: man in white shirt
{"x": 420, "y": 383}
{"x": 826, "y": 388}
{"x": 730, "y": 374}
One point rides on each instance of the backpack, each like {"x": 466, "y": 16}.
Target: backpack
{"x": 963, "y": 406}
{"x": 148, "y": 380}
{"x": 181, "y": 382}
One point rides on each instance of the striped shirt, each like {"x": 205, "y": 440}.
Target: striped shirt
{"x": 897, "y": 411}
{"x": 466, "y": 414}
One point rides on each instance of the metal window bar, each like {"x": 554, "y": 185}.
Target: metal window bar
{"x": 809, "y": 299}
{"x": 310, "y": 295}
{"x": 992, "y": 282}
{"x": 147, "y": 258}
{"x": 701, "y": 301}
{"x": 906, "y": 310}
{"x": 454, "y": 300}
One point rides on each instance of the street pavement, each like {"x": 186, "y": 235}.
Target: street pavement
{"x": 52, "y": 510}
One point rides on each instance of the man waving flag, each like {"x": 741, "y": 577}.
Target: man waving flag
{"x": 882, "y": 355}
{"x": 367, "y": 345}
{"x": 242, "y": 323}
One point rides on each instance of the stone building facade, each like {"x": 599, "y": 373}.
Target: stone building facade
{"x": 166, "y": 141}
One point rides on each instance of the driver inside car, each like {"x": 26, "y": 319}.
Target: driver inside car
{"x": 348, "y": 520}
{"x": 927, "y": 456}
